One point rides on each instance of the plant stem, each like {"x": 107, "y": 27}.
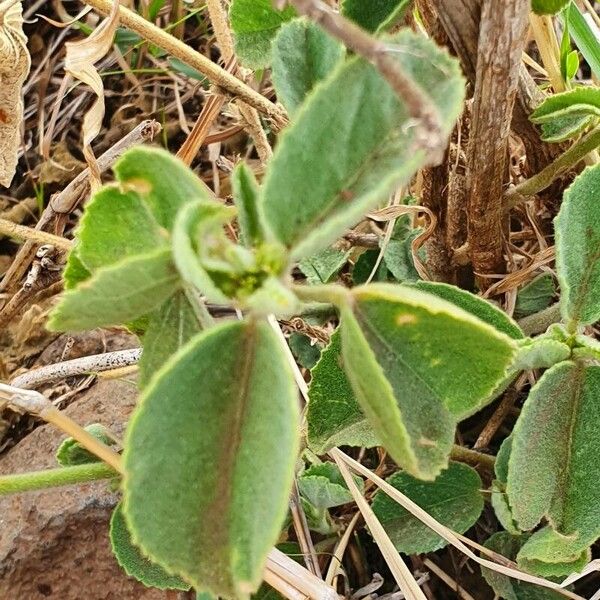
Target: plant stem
{"x": 325, "y": 294}
{"x": 175, "y": 47}
{"x": 577, "y": 152}
{"x": 51, "y": 478}
{"x": 26, "y": 233}
{"x": 472, "y": 457}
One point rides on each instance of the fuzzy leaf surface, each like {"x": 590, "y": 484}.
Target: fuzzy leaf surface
{"x": 577, "y": 230}
{"x": 548, "y": 7}
{"x": 303, "y": 55}
{"x": 133, "y": 562}
{"x": 404, "y": 353}
{"x": 209, "y": 458}
{"x": 117, "y": 294}
{"x": 454, "y": 499}
{"x": 535, "y": 296}
{"x": 553, "y": 465}
{"x": 348, "y": 147}
{"x": 245, "y": 195}
{"x": 324, "y": 487}
{"x": 374, "y": 14}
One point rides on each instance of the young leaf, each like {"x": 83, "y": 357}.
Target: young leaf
{"x": 474, "y": 305}
{"x": 170, "y": 328}
{"x": 133, "y": 562}
{"x": 324, "y": 487}
{"x": 303, "y": 55}
{"x": 118, "y": 293}
{"x": 535, "y": 296}
{"x": 404, "y": 353}
{"x": 114, "y": 226}
{"x": 540, "y": 353}
{"x": 548, "y": 7}
{"x": 245, "y": 195}
{"x": 162, "y": 180}
{"x": 209, "y": 458}
{"x": 454, "y": 499}
{"x": 374, "y": 14}
{"x": 334, "y": 417}
{"x": 506, "y": 587}
{"x": 553, "y": 466}
{"x": 577, "y": 230}
{"x": 323, "y": 266}
{"x": 549, "y": 554}
{"x": 255, "y": 24}
{"x": 349, "y": 146}
{"x": 71, "y": 452}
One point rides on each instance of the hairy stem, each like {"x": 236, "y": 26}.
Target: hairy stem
{"x": 51, "y": 478}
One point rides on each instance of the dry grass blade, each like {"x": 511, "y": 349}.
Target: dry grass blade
{"x": 14, "y": 68}
{"x": 79, "y": 62}
{"x": 446, "y": 533}
{"x": 404, "y": 578}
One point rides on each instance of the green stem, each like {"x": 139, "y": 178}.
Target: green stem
{"x": 472, "y": 457}
{"x": 41, "y": 480}
{"x": 540, "y": 321}
{"x": 324, "y": 294}
{"x": 576, "y": 153}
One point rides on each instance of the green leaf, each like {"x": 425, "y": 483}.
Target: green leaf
{"x": 114, "y": 226}
{"x": 349, "y": 146}
{"x": 324, "y": 487}
{"x": 535, "y": 296}
{"x": 209, "y": 458}
{"x": 454, "y": 499}
{"x": 547, "y": 553}
{"x": 305, "y": 352}
{"x": 474, "y": 305}
{"x": 255, "y": 23}
{"x": 540, "y": 353}
{"x": 405, "y": 353}
{"x": 334, "y": 417}
{"x": 364, "y": 265}
{"x": 506, "y": 587}
{"x": 133, "y": 562}
{"x": 303, "y": 55}
{"x": 548, "y": 7}
{"x": 170, "y": 328}
{"x": 553, "y": 466}
{"x": 162, "y": 180}
{"x": 583, "y": 35}
{"x": 118, "y": 293}
{"x": 374, "y": 15}
{"x": 75, "y": 272}
{"x": 323, "y": 266}
{"x": 245, "y": 195}
{"x": 398, "y": 255}
{"x": 577, "y": 231}
{"x": 71, "y": 452}
{"x": 564, "y": 116}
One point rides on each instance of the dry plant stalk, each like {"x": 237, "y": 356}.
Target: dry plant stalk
{"x": 14, "y": 68}
{"x": 79, "y": 62}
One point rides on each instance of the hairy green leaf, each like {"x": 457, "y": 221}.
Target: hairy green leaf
{"x": 162, "y": 180}
{"x": 245, "y": 195}
{"x": 454, "y": 499}
{"x": 398, "y": 255}
{"x": 474, "y": 305}
{"x": 577, "y": 230}
{"x": 553, "y": 466}
{"x": 506, "y": 587}
{"x": 118, "y": 293}
{"x": 255, "y": 23}
{"x": 535, "y": 296}
{"x": 548, "y": 7}
{"x": 209, "y": 458}
{"x": 75, "y": 272}
{"x": 374, "y": 14}
{"x": 303, "y": 55}
{"x": 540, "y": 353}
{"x": 324, "y": 487}
{"x": 114, "y": 226}
{"x": 499, "y": 499}
{"x": 323, "y": 266}
{"x": 170, "y": 328}
{"x": 306, "y": 353}
{"x": 71, "y": 452}
{"x": 133, "y": 562}
{"x": 349, "y": 146}
{"x": 405, "y": 352}
{"x": 334, "y": 417}
{"x": 364, "y": 266}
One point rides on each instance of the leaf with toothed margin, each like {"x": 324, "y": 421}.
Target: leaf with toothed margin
{"x": 209, "y": 458}
{"x": 350, "y": 146}
{"x": 118, "y": 293}
{"x": 553, "y": 468}
{"x": 405, "y": 353}
{"x": 577, "y": 231}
